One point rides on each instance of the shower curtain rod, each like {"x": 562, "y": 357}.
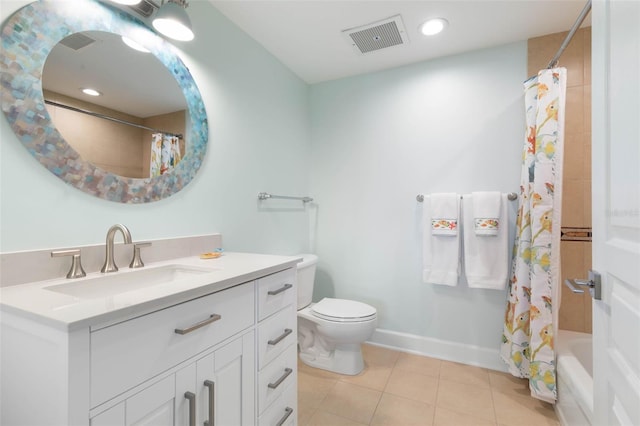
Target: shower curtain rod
{"x": 567, "y": 39}
{"x": 106, "y": 117}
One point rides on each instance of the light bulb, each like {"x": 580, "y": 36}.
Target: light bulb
{"x": 433, "y": 26}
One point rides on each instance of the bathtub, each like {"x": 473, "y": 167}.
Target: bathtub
{"x": 575, "y": 378}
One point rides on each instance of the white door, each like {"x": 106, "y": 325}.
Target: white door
{"x": 616, "y": 210}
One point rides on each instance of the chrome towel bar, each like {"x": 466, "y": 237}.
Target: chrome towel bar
{"x": 512, "y": 196}
{"x": 265, "y": 196}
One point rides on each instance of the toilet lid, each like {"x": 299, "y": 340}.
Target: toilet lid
{"x": 343, "y": 310}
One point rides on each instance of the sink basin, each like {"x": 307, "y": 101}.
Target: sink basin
{"x": 128, "y": 280}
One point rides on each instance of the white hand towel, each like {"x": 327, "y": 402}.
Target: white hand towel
{"x": 445, "y": 208}
{"x": 486, "y": 213}
{"x": 440, "y": 254}
{"x": 486, "y": 260}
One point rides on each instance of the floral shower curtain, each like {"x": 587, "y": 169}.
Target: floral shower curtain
{"x": 165, "y": 153}
{"x": 532, "y": 308}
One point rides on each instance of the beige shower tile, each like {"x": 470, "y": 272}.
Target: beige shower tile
{"x": 418, "y": 387}
{"x": 507, "y": 383}
{"x": 574, "y": 110}
{"x": 444, "y": 417}
{"x": 540, "y": 50}
{"x": 515, "y": 410}
{"x": 587, "y": 54}
{"x": 587, "y": 204}
{"x": 471, "y": 400}
{"x": 466, "y": 374}
{"x": 587, "y": 108}
{"x": 571, "y": 315}
{"x": 573, "y": 156}
{"x": 323, "y": 418}
{"x": 572, "y": 202}
{"x": 586, "y": 172}
{"x": 394, "y": 411}
{"x": 351, "y": 402}
{"x": 572, "y": 258}
{"x": 419, "y": 364}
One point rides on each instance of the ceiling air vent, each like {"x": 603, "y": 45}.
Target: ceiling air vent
{"x": 77, "y": 41}
{"x": 378, "y": 35}
{"x": 145, "y": 8}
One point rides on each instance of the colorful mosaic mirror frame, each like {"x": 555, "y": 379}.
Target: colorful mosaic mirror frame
{"x": 27, "y": 38}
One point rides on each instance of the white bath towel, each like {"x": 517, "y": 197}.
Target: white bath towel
{"x": 440, "y": 253}
{"x": 486, "y": 260}
{"x": 445, "y": 209}
{"x": 486, "y": 213}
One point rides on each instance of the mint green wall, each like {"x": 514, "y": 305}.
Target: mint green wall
{"x": 454, "y": 124}
{"x": 258, "y": 141}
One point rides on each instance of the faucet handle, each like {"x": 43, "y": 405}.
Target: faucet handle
{"x": 136, "y": 262}
{"x": 76, "y": 270}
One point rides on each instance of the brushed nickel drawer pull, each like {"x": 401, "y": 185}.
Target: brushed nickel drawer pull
{"x": 212, "y": 318}
{"x": 287, "y": 371}
{"x": 288, "y": 410}
{"x": 287, "y": 331}
{"x": 280, "y": 290}
{"x": 191, "y": 397}
{"x": 212, "y": 400}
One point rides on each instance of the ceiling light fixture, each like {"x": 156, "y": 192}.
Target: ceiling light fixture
{"x": 126, "y": 2}
{"x": 134, "y": 45}
{"x": 172, "y": 20}
{"x": 433, "y": 26}
{"x": 91, "y": 92}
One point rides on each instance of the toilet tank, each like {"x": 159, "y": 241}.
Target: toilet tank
{"x": 306, "y": 276}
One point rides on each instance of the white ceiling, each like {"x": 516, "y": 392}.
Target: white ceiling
{"x": 306, "y": 35}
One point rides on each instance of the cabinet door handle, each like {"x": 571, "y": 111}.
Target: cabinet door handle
{"x": 284, "y": 418}
{"x": 212, "y": 318}
{"x": 287, "y": 371}
{"x": 191, "y": 397}
{"x": 287, "y": 331}
{"x": 280, "y": 290}
{"x": 212, "y": 401}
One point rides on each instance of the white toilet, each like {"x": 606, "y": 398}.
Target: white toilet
{"x": 330, "y": 332}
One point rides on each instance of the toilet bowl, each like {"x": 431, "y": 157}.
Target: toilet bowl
{"x": 331, "y": 331}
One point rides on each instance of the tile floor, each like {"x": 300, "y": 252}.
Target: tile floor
{"x": 400, "y": 389}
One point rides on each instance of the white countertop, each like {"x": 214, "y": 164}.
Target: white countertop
{"x": 62, "y": 311}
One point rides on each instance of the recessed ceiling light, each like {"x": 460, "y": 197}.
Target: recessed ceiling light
{"x": 91, "y": 92}
{"x": 433, "y": 26}
{"x": 134, "y": 45}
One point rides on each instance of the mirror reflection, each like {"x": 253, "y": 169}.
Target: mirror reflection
{"x": 136, "y": 125}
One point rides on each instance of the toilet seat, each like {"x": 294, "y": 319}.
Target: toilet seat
{"x": 341, "y": 310}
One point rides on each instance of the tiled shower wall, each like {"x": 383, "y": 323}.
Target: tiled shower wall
{"x": 575, "y": 309}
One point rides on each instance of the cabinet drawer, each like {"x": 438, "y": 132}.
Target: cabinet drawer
{"x": 282, "y": 286}
{"x": 276, "y": 376}
{"x": 130, "y": 352}
{"x": 284, "y": 411}
{"x": 275, "y": 334}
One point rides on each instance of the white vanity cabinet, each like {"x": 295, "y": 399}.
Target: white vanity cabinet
{"x": 226, "y": 357}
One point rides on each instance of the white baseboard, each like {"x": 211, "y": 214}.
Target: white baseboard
{"x": 441, "y": 349}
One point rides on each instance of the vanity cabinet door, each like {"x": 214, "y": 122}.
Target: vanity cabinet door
{"x": 222, "y": 383}
{"x": 152, "y": 406}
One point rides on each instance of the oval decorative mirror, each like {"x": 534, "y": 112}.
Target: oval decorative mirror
{"x": 79, "y": 139}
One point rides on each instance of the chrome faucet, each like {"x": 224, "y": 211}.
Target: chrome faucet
{"x": 109, "y": 263}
